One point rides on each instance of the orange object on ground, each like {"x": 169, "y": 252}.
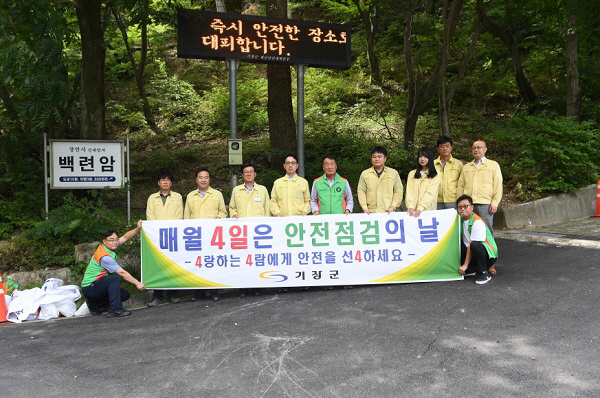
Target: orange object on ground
{"x": 597, "y": 200}
{"x": 3, "y": 310}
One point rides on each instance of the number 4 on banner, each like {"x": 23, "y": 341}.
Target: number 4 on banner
{"x": 199, "y": 262}
{"x": 249, "y": 260}
{"x": 358, "y": 257}
{"x": 217, "y": 238}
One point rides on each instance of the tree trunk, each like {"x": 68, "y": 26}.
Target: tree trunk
{"x": 443, "y": 111}
{"x": 572, "y": 41}
{"x": 220, "y": 4}
{"x": 138, "y": 70}
{"x": 512, "y": 42}
{"x": 93, "y": 52}
{"x": 421, "y": 97}
{"x": 409, "y": 125}
{"x": 462, "y": 71}
{"x": 282, "y": 127}
{"x": 369, "y": 18}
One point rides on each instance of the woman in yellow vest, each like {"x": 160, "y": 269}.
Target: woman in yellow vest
{"x": 422, "y": 184}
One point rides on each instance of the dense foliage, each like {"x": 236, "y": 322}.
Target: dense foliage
{"x": 176, "y": 110}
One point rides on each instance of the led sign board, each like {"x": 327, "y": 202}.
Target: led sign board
{"x": 249, "y": 38}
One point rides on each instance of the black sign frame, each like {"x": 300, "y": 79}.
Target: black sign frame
{"x": 258, "y": 39}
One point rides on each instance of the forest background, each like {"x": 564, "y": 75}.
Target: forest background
{"x": 522, "y": 75}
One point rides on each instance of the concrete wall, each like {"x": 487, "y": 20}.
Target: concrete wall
{"x": 551, "y": 210}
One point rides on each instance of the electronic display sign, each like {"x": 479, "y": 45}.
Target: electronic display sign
{"x": 249, "y": 38}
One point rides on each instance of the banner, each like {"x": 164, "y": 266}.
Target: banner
{"x": 324, "y": 250}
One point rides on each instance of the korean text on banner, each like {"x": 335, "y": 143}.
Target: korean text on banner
{"x": 272, "y": 252}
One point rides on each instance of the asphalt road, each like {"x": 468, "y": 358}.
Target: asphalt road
{"x": 533, "y": 331}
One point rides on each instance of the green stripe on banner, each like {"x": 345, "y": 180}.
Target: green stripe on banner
{"x": 441, "y": 262}
{"x": 161, "y": 272}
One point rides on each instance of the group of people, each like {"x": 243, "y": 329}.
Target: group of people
{"x": 473, "y": 188}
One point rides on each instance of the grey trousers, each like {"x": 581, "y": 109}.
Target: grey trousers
{"x": 483, "y": 211}
{"x": 446, "y": 205}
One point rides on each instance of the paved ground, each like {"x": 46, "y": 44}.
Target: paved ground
{"x": 533, "y": 331}
{"x": 582, "y": 233}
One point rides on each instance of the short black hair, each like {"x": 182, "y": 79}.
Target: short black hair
{"x": 443, "y": 140}
{"x": 379, "y": 149}
{"x": 329, "y": 157}
{"x": 164, "y": 173}
{"x": 464, "y": 197}
{"x": 248, "y": 164}
{"x": 291, "y": 155}
{"x": 198, "y": 170}
{"x": 108, "y": 232}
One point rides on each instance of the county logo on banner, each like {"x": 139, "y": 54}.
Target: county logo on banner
{"x": 324, "y": 250}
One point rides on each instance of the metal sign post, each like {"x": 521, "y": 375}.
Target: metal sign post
{"x": 251, "y": 38}
{"x": 46, "y": 179}
{"x": 300, "y": 69}
{"x": 233, "y": 65}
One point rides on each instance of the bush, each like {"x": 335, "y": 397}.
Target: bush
{"x": 547, "y": 154}
{"x": 50, "y": 243}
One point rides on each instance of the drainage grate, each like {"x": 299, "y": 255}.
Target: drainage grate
{"x": 556, "y": 235}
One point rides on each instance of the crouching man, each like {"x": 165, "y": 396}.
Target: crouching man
{"x": 101, "y": 284}
{"x": 478, "y": 250}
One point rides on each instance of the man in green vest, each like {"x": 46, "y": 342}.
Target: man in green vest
{"x": 101, "y": 284}
{"x": 331, "y": 194}
{"x": 478, "y": 250}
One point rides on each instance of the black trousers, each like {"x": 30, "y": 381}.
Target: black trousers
{"x": 106, "y": 292}
{"x": 480, "y": 261}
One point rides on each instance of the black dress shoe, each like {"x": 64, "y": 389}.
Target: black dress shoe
{"x": 118, "y": 313}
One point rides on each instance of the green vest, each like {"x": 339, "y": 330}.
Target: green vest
{"x": 331, "y": 199}
{"x": 489, "y": 243}
{"x": 94, "y": 270}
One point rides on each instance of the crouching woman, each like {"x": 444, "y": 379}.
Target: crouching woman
{"x": 101, "y": 284}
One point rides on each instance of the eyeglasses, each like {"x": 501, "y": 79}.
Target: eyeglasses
{"x": 112, "y": 240}
{"x": 463, "y": 207}
{"x": 290, "y": 163}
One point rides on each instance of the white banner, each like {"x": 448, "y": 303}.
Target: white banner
{"x": 267, "y": 252}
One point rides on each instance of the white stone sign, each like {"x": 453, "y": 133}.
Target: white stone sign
{"x": 86, "y": 164}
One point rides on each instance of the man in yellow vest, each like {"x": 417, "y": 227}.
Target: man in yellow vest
{"x": 204, "y": 202}
{"x": 249, "y": 199}
{"x": 481, "y": 179}
{"x": 379, "y": 188}
{"x": 290, "y": 195}
{"x": 164, "y": 205}
{"x": 450, "y": 169}
{"x": 101, "y": 284}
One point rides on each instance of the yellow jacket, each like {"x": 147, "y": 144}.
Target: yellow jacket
{"x": 211, "y": 205}
{"x": 378, "y": 194}
{"x": 422, "y": 193}
{"x": 171, "y": 210}
{"x": 253, "y": 204}
{"x": 290, "y": 197}
{"x": 450, "y": 175}
{"x": 483, "y": 184}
